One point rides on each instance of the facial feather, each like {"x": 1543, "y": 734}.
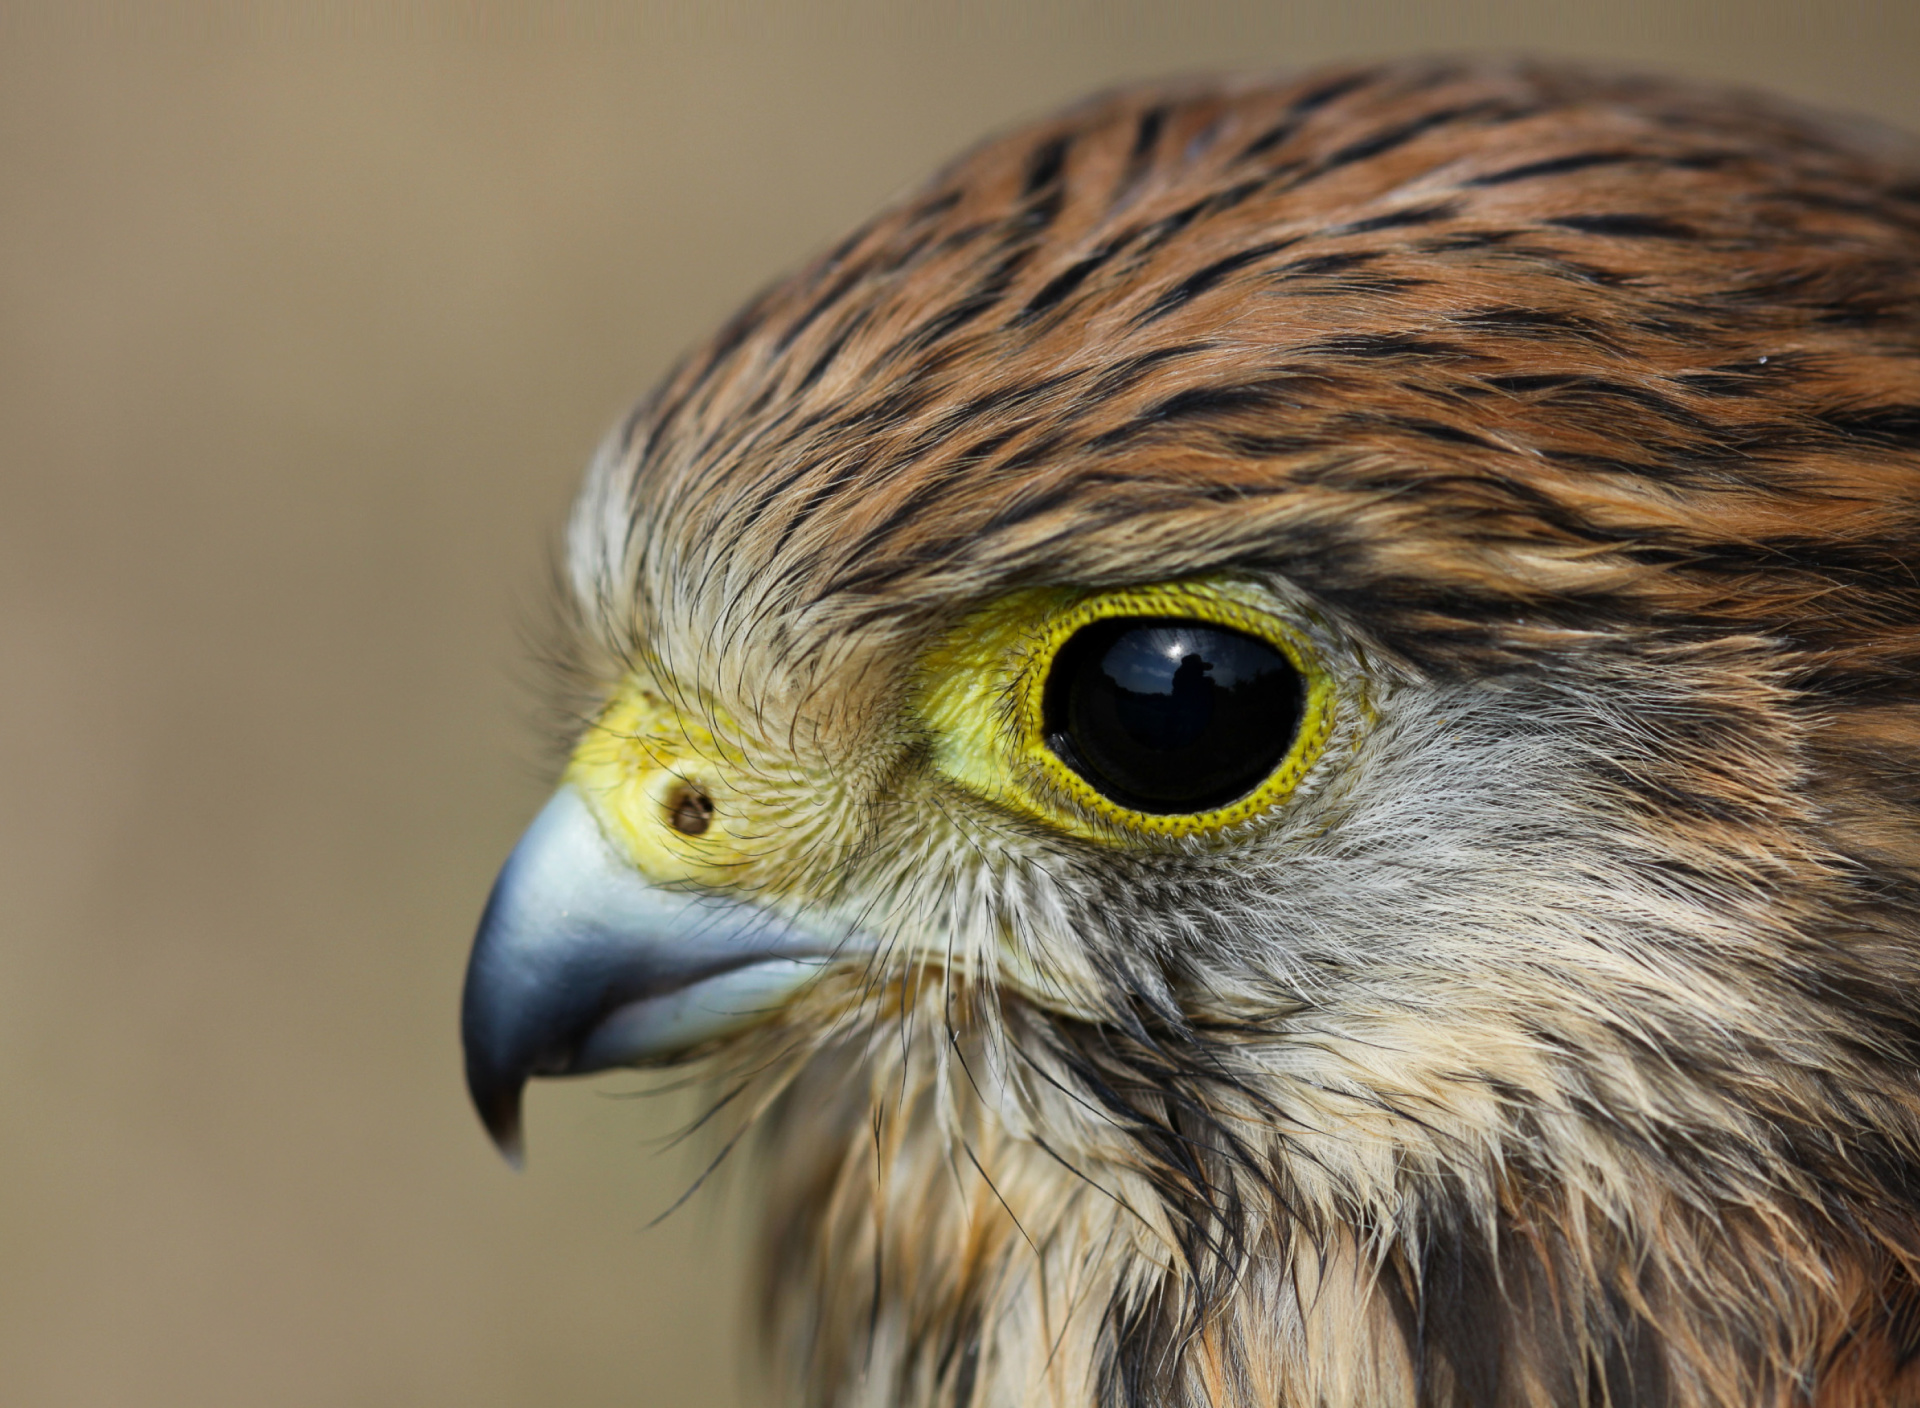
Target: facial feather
{"x": 1553, "y": 1042}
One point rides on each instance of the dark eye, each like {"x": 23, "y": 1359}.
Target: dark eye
{"x": 1166, "y": 715}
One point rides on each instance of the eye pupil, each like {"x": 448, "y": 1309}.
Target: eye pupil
{"x": 1168, "y": 715}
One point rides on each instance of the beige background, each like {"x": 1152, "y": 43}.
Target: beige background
{"x": 304, "y": 332}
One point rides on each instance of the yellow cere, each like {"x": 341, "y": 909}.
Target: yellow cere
{"x": 632, "y": 767}
{"x": 980, "y": 700}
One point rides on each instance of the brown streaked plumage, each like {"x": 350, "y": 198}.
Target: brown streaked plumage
{"x": 1556, "y": 1041}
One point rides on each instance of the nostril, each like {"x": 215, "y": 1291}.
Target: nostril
{"x": 689, "y": 810}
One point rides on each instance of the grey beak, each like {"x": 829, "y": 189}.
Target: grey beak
{"x": 581, "y": 964}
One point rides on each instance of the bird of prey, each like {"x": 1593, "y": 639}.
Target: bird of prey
{"x": 1268, "y": 737}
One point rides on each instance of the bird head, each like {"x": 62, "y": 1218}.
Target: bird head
{"x": 1272, "y": 726}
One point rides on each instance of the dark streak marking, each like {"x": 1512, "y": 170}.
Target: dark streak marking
{"x": 832, "y": 350}
{"x": 1399, "y": 219}
{"x": 1546, "y": 324}
{"x": 1594, "y": 388}
{"x": 1064, "y": 283}
{"x": 1156, "y": 235}
{"x": 1387, "y": 344}
{"x": 1472, "y": 240}
{"x": 1735, "y": 379}
{"x": 1203, "y": 403}
{"x": 1622, "y": 225}
{"x": 1532, "y": 381}
{"x": 1025, "y": 509}
{"x": 1165, "y": 228}
{"x": 1895, "y": 427}
{"x": 1447, "y": 434}
{"x": 1231, "y": 196}
{"x": 1316, "y": 98}
{"x": 840, "y": 288}
{"x": 934, "y": 207}
{"x": 1555, "y": 166}
{"x": 1199, "y": 402}
{"x": 980, "y": 451}
{"x": 1042, "y": 448}
{"x": 1146, "y": 133}
{"x": 1382, "y": 142}
{"x": 971, "y": 305}
{"x": 1320, "y": 265}
{"x": 1134, "y": 370}
{"x": 1263, "y": 447}
{"x": 1044, "y": 168}
{"x": 1015, "y": 398}
{"x": 1268, "y": 140}
{"x": 1201, "y": 280}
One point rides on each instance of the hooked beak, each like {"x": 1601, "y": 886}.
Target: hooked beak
{"x": 581, "y": 964}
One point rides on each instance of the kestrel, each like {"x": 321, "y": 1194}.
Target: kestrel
{"x": 1268, "y": 738}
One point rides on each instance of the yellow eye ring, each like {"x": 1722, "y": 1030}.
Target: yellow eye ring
{"x": 984, "y": 698}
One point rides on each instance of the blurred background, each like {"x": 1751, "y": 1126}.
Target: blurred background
{"x": 305, "y": 331}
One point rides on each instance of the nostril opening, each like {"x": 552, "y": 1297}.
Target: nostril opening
{"x": 689, "y": 810}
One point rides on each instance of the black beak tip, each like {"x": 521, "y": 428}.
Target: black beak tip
{"x": 499, "y": 1107}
